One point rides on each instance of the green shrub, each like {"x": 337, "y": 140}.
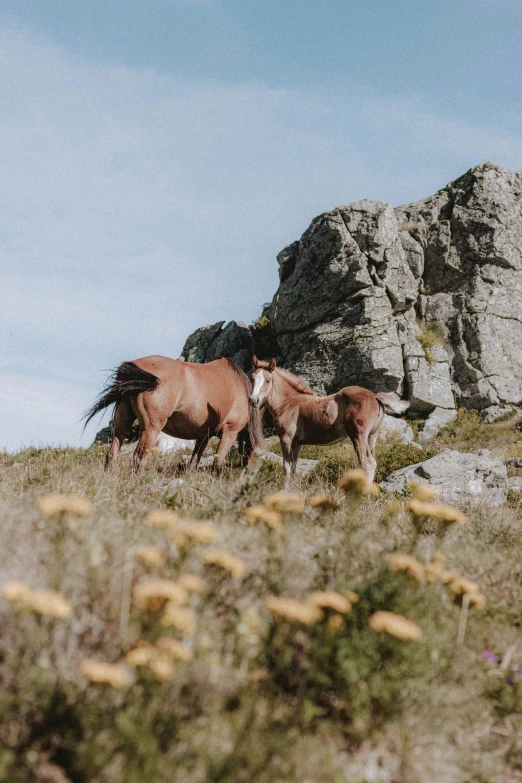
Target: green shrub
{"x": 262, "y": 324}
{"x": 431, "y": 334}
{"x": 393, "y": 453}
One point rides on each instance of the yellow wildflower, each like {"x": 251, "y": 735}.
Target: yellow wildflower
{"x": 330, "y": 599}
{"x": 351, "y": 596}
{"x": 180, "y": 617}
{"x": 410, "y": 565}
{"x": 271, "y": 518}
{"x": 150, "y": 556}
{"x": 192, "y": 583}
{"x": 393, "y": 507}
{"x": 51, "y": 603}
{"x": 160, "y": 518}
{"x": 395, "y": 625}
{"x": 323, "y": 502}
{"x": 438, "y": 511}
{"x": 285, "y": 503}
{"x": 433, "y": 571}
{"x": 355, "y": 482}
{"x": 140, "y": 655}
{"x": 460, "y": 585}
{"x": 162, "y": 666}
{"x": 154, "y": 594}
{"x": 176, "y": 649}
{"x": 186, "y": 530}
{"x": 422, "y": 491}
{"x": 114, "y": 674}
{"x": 226, "y": 561}
{"x": 53, "y": 504}
{"x": 477, "y": 600}
{"x": 336, "y": 622}
{"x": 16, "y": 592}
{"x": 294, "y": 611}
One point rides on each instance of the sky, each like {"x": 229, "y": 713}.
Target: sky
{"x": 158, "y": 154}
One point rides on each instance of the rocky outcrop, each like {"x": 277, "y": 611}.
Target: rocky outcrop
{"x": 457, "y": 477}
{"x": 424, "y": 300}
{"x": 364, "y": 287}
{"x": 234, "y": 341}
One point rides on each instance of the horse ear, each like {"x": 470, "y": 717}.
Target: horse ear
{"x": 255, "y": 362}
{"x": 272, "y": 365}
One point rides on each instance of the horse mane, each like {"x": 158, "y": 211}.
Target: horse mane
{"x": 255, "y": 424}
{"x": 297, "y": 383}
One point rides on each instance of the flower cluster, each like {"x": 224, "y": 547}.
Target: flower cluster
{"x": 355, "y": 482}
{"x": 407, "y": 564}
{"x": 43, "y": 602}
{"x": 422, "y": 491}
{"x": 150, "y": 556}
{"x": 160, "y": 658}
{"x": 226, "y": 561}
{"x": 54, "y": 504}
{"x": 438, "y": 511}
{"x": 314, "y": 608}
{"x": 323, "y": 502}
{"x": 116, "y": 674}
{"x": 395, "y": 625}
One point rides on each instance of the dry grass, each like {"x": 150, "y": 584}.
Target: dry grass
{"x": 263, "y": 699}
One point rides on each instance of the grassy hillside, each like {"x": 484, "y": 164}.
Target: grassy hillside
{"x": 316, "y": 696}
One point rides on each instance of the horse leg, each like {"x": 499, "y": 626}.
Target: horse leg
{"x": 146, "y": 443}
{"x": 199, "y": 448}
{"x": 364, "y": 453}
{"x": 121, "y": 426}
{"x": 290, "y": 449}
{"x": 228, "y": 438}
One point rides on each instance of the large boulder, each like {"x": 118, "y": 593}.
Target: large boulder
{"x": 362, "y": 289}
{"x": 457, "y": 477}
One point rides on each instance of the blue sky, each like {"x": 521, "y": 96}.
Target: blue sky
{"x": 158, "y": 155}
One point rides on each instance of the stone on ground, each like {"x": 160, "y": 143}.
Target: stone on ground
{"x": 457, "y": 477}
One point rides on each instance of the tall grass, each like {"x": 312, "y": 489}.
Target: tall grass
{"x": 259, "y": 697}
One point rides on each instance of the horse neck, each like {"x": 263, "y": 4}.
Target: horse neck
{"x": 282, "y": 393}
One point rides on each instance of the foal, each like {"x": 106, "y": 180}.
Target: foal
{"x": 301, "y": 417}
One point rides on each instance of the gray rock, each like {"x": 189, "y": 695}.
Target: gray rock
{"x": 166, "y": 443}
{"x": 437, "y": 419}
{"x": 515, "y": 483}
{"x": 303, "y": 466}
{"x": 174, "y": 484}
{"x": 400, "y": 427}
{"x": 514, "y": 462}
{"x": 457, "y": 477}
{"x": 234, "y": 341}
{"x": 205, "y": 462}
{"x": 494, "y": 412}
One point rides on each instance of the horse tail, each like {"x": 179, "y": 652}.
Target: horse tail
{"x": 391, "y": 403}
{"x": 254, "y": 427}
{"x": 126, "y": 382}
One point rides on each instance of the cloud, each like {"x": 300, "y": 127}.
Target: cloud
{"x": 137, "y": 206}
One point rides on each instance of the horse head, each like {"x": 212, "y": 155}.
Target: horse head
{"x": 262, "y": 380}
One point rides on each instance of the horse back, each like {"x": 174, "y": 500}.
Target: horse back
{"x": 213, "y": 390}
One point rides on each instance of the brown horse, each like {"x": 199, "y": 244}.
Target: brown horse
{"x": 301, "y": 417}
{"x": 183, "y": 399}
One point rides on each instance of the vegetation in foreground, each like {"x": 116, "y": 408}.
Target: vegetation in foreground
{"x": 214, "y": 676}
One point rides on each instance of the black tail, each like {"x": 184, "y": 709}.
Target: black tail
{"x": 254, "y": 427}
{"x": 126, "y": 382}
